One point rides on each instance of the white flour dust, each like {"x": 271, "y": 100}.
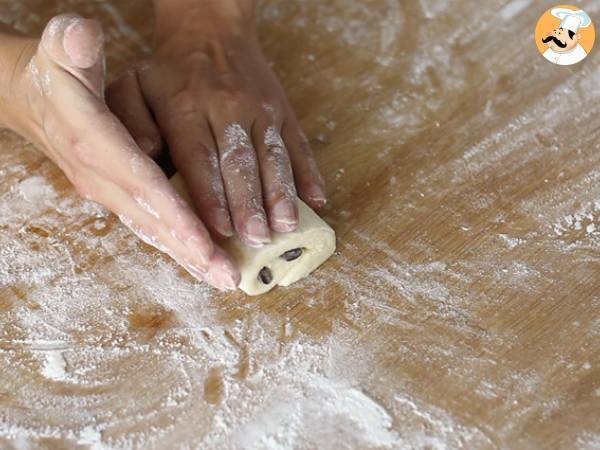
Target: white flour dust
{"x": 238, "y": 148}
{"x": 143, "y": 203}
{"x": 54, "y": 365}
{"x": 74, "y": 324}
{"x": 36, "y": 190}
{"x": 93, "y": 316}
{"x": 277, "y": 158}
{"x": 74, "y": 328}
{"x": 318, "y": 414}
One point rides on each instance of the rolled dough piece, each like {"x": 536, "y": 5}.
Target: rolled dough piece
{"x": 288, "y": 258}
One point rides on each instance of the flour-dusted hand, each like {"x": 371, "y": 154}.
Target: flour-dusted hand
{"x": 56, "y": 99}
{"x": 231, "y": 131}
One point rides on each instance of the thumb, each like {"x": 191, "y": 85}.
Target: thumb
{"x": 76, "y": 44}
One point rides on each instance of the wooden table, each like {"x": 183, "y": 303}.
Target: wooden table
{"x": 461, "y": 309}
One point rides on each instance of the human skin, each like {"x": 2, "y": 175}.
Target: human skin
{"x": 208, "y": 91}
{"x": 206, "y": 79}
{"x": 52, "y": 93}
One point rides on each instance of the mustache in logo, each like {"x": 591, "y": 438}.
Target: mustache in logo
{"x": 556, "y": 41}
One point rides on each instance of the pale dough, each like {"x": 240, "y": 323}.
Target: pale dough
{"x": 290, "y": 256}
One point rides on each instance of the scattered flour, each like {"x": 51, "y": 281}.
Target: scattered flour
{"x": 82, "y": 333}
{"x": 587, "y": 441}
{"x": 147, "y": 207}
{"x": 82, "y": 292}
{"x": 584, "y": 219}
{"x": 317, "y": 415}
{"x": 54, "y": 365}
{"x": 35, "y": 189}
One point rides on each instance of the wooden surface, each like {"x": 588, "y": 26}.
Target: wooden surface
{"x": 461, "y": 310}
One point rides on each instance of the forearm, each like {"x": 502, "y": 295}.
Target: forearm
{"x": 204, "y": 17}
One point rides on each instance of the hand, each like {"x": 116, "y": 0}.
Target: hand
{"x": 57, "y": 102}
{"x": 208, "y": 90}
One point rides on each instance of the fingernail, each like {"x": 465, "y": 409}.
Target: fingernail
{"x": 317, "y": 194}
{"x": 257, "y": 231}
{"x": 284, "y": 215}
{"x": 195, "y": 269}
{"x": 222, "y": 222}
{"x": 82, "y": 47}
{"x": 223, "y": 280}
{"x": 223, "y": 274}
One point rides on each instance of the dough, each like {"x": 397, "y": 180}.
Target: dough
{"x": 290, "y": 256}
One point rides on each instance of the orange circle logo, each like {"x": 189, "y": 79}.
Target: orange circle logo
{"x": 565, "y": 35}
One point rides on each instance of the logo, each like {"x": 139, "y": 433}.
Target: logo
{"x": 565, "y": 35}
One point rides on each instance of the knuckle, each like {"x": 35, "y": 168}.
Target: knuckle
{"x": 239, "y": 160}
{"x": 233, "y": 99}
{"x": 83, "y": 153}
{"x": 274, "y": 144}
{"x": 275, "y": 157}
{"x": 198, "y": 157}
{"x": 185, "y": 102}
{"x": 134, "y": 191}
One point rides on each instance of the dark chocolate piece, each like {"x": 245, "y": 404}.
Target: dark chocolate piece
{"x": 293, "y": 254}
{"x": 265, "y": 275}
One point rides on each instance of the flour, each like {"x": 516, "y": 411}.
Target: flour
{"x": 71, "y": 302}
{"x": 273, "y": 139}
{"x": 238, "y": 148}
{"x": 278, "y": 160}
{"x": 81, "y": 330}
{"x": 147, "y": 238}
{"x": 318, "y": 415}
{"x": 584, "y": 219}
{"x": 587, "y": 441}
{"x": 238, "y": 152}
{"x": 147, "y": 207}
{"x": 512, "y": 242}
{"x": 432, "y": 428}
{"x": 41, "y": 80}
{"x": 35, "y": 189}
{"x": 54, "y": 365}
{"x": 94, "y": 314}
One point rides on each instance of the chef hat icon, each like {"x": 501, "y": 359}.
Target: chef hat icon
{"x": 570, "y": 19}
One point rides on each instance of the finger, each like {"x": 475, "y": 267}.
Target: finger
{"x": 119, "y": 160}
{"x": 76, "y": 44}
{"x": 194, "y": 154}
{"x": 239, "y": 168}
{"x": 218, "y": 274}
{"x": 221, "y": 271}
{"x": 126, "y": 100}
{"x": 276, "y": 174}
{"x": 309, "y": 182}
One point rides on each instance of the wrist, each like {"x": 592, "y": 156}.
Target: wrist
{"x": 206, "y": 19}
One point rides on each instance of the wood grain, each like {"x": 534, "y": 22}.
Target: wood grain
{"x": 460, "y": 311}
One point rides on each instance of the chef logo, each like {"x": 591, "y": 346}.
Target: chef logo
{"x": 565, "y": 35}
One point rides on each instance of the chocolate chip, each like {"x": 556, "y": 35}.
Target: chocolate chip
{"x": 265, "y": 275}
{"x": 293, "y": 254}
